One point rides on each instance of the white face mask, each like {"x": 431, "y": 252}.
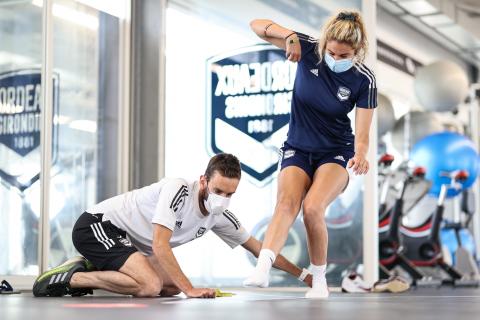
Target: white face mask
{"x": 216, "y": 204}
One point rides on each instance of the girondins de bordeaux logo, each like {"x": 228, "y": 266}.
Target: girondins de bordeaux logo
{"x": 20, "y": 100}
{"x": 249, "y": 92}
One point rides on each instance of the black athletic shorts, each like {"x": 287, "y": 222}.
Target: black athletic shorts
{"x": 102, "y": 243}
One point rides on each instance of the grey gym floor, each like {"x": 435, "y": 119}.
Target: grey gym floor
{"x": 275, "y": 303}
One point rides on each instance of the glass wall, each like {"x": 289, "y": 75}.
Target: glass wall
{"x": 86, "y": 62}
{"x": 227, "y": 91}
{"x": 20, "y": 99}
{"x": 85, "y": 121}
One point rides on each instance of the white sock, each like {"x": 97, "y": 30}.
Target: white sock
{"x": 260, "y": 275}
{"x": 319, "y": 283}
{"x": 318, "y": 276}
{"x": 266, "y": 258}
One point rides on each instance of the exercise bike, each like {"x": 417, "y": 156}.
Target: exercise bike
{"x": 458, "y": 240}
{"x": 422, "y": 243}
{"x": 391, "y": 251}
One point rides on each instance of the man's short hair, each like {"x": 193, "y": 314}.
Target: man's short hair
{"x": 227, "y": 165}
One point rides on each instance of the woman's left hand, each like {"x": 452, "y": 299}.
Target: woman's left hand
{"x": 293, "y": 49}
{"x": 359, "y": 163}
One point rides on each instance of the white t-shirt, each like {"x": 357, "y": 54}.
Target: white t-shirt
{"x": 172, "y": 203}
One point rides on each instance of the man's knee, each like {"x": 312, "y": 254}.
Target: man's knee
{"x": 148, "y": 284}
{"x": 149, "y": 288}
{"x": 168, "y": 291}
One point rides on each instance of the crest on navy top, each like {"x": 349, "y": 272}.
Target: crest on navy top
{"x": 249, "y": 94}
{"x": 343, "y": 93}
{"x": 20, "y": 109}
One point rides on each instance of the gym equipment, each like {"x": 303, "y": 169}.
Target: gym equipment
{"x": 422, "y": 244}
{"x": 385, "y": 114}
{"x": 457, "y": 238}
{"x": 441, "y": 86}
{"x": 446, "y": 152}
{"x": 391, "y": 252}
{"x": 385, "y": 173}
{"x": 421, "y": 124}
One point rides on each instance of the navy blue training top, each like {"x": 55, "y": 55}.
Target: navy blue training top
{"x": 322, "y": 99}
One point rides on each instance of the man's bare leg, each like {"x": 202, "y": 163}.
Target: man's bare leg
{"x": 136, "y": 277}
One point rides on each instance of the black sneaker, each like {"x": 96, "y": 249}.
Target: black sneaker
{"x": 77, "y": 292}
{"x": 56, "y": 282}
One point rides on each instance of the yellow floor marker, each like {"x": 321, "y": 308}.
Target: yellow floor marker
{"x": 220, "y": 294}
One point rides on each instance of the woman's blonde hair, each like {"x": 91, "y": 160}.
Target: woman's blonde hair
{"x": 346, "y": 27}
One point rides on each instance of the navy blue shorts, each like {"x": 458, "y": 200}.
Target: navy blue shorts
{"x": 310, "y": 162}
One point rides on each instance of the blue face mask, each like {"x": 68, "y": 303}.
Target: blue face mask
{"x": 338, "y": 65}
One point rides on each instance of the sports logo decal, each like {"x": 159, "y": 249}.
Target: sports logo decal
{"x": 248, "y": 106}
{"x": 20, "y": 103}
{"x": 125, "y": 242}
{"x": 288, "y": 154}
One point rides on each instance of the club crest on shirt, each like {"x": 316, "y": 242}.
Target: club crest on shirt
{"x": 178, "y": 224}
{"x": 200, "y": 232}
{"x": 343, "y": 93}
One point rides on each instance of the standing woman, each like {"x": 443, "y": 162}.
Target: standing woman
{"x": 331, "y": 80}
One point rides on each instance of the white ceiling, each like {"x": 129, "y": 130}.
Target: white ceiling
{"x": 455, "y": 24}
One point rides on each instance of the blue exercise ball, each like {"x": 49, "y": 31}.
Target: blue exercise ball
{"x": 445, "y": 152}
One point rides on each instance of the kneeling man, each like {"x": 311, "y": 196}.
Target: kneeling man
{"x": 126, "y": 241}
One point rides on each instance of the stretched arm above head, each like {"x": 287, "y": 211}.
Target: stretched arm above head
{"x": 279, "y": 36}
